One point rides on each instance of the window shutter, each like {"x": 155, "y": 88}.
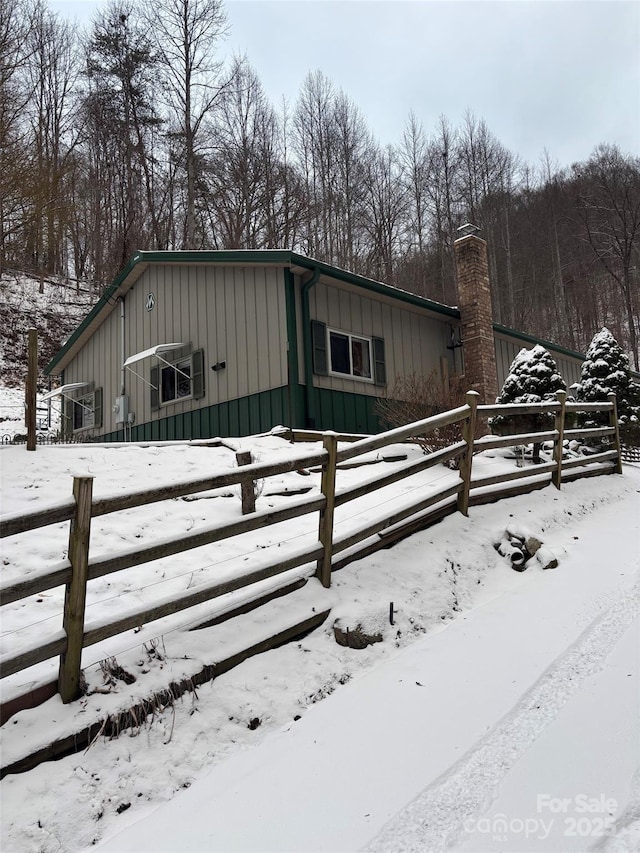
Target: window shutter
{"x": 379, "y": 368}
{"x": 197, "y": 364}
{"x": 97, "y": 407}
{"x": 319, "y": 347}
{"x": 67, "y": 425}
{"x": 155, "y": 388}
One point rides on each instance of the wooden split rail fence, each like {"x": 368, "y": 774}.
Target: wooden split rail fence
{"x": 80, "y": 568}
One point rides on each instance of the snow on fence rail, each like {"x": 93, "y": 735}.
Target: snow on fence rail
{"x": 80, "y": 568}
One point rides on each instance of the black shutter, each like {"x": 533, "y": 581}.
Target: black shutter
{"x": 379, "y": 368}
{"x": 319, "y": 347}
{"x": 97, "y": 408}
{"x": 155, "y": 388}
{"x": 197, "y": 366}
{"x": 67, "y": 421}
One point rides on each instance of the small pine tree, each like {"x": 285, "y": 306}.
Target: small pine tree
{"x": 606, "y": 370}
{"x": 533, "y": 378}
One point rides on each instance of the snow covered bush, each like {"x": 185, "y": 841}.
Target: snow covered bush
{"x": 606, "y": 370}
{"x": 533, "y": 378}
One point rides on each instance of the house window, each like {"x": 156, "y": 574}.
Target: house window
{"x": 342, "y": 354}
{"x": 183, "y": 379}
{"x": 85, "y": 412}
{"x": 175, "y": 381}
{"x": 350, "y": 355}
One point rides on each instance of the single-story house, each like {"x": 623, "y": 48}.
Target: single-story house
{"x": 198, "y": 344}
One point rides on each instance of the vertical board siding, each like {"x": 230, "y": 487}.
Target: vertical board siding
{"x": 414, "y": 342}
{"x": 345, "y": 412}
{"x": 245, "y": 416}
{"x": 506, "y": 351}
{"x": 235, "y": 314}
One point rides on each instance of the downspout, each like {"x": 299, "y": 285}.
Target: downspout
{"x": 122, "y": 356}
{"x": 122, "y": 360}
{"x": 309, "y": 408}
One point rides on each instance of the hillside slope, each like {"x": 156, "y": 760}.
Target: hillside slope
{"x": 54, "y": 309}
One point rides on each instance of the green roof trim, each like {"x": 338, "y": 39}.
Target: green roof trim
{"x": 275, "y": 257}
{"x": 95, "y": 311}
{"x": 521, "y": 336}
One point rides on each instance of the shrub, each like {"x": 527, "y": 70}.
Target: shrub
{"x": 533, "y": 378}
{"x": 604, "y": 371}
{"x": 416, "y": 397}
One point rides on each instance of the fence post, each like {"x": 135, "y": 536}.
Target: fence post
{"x": 31, "y": 387}
{"x": 468, "y": 435}
{"x": 556, "y": 477}
{"x": 613, "y": 421}
{"x": 247, "y": 489}
{"x": 76, "y": 591}
{"x": 328, "y": 488}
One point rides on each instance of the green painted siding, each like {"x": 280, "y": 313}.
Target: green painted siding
{"x": 257, "y": 413}
{"x": 246, "y": 416}
{"x": 345, "y": 412}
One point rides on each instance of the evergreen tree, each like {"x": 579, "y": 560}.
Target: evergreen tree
{"x": 606, "y": 370}
{"x": 533, "y": 378}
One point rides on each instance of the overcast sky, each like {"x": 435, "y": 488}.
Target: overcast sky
{"x": 560, "y": 74}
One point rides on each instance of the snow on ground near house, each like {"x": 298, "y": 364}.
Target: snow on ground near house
{"x": 483, "y": 695}
{"x": 12, "y": 414}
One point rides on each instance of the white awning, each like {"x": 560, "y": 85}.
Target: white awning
{"x": 148, "y": 353}
{"x": 63, "y": 390}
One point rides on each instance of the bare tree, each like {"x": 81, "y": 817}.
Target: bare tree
{"x": 609, "y": 209}
{"x": 15, "y": 152}
{"x": 240, "y": 174}
{"x": 385, "y": 206}
{"x": 414, "y": 157}
{"x": 186, "y": 34}
{"x": 443, "y": 204}
{"x": 53, "y": 71}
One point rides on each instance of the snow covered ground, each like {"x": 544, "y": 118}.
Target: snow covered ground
{"x": 499, "y": 712}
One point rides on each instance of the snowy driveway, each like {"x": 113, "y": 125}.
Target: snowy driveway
{"x": 523, "y": 713}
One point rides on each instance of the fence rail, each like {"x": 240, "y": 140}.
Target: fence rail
{"x": 80, "y": 568}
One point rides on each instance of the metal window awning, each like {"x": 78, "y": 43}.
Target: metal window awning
{"x": 149, "y": 353}
{"x": 155, "y": 352}
{"x": 63, "y": 390}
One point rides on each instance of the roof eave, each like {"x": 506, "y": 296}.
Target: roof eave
{"x": 261, "y": 257}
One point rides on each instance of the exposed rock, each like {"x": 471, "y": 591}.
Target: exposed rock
{"x": 547, "y": 558}
{"x": 532, "y": 544}
{"x": 355, "y": 638}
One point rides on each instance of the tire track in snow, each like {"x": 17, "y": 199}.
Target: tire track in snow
{"x": 435, "y": 819}
{"x": 626, "y": 832}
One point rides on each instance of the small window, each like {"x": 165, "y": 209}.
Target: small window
{"x": 175, "y": 381}
{"x": 350, "y": 355}
{"x": 86, "y": 411}
{"x": 183, "y": 379}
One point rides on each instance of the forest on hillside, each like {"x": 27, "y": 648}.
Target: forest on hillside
{"x": 135, "y": 134}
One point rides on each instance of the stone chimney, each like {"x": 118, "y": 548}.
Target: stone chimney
{"x": 474, "y": 302}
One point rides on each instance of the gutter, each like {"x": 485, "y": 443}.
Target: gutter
{"x": 309, "y": 408}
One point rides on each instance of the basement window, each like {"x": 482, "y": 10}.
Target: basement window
{"x": 350, "y": 355}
